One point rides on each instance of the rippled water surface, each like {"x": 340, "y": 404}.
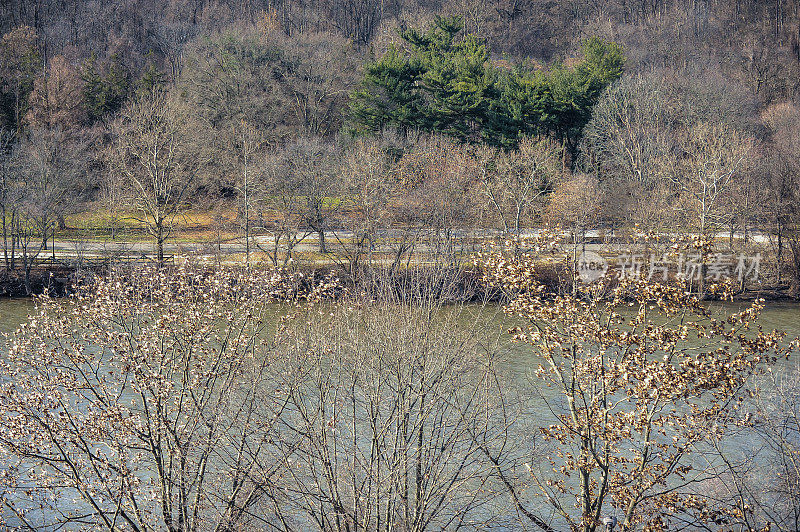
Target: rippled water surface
{"x": 13, "y": 312}
{"x": 777, "y": 315}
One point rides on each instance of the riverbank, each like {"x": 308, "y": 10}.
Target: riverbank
{"x": 455, "y": 283}
{"x": 56, "y": 281}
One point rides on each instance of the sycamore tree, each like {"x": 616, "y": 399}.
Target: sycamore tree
{"x": 45, "y": 186}
{"x": 366, "y": 194}
{"x": 298, "y": 187}
{"x": 639, "y": 381}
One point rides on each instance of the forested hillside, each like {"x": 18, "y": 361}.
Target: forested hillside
{"x": 300, "y": 118}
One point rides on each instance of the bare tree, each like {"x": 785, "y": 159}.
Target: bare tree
{"x": 311, "y": 164}
{"x": 7, "y": 197}
{"x": 177, "y": 406}
{"x": 715, "y": 158}
{"x": 357, "y": 19}
{"x": 56, "y": 162}
{"x": 57, "y": 99}
{"x": 436, "y": 179}
{"x": 512, "y": 182}
{"x": 247, "y": 143}
{"x": 782, "y": 185}
{"x": 575, "y": 203}
{"x": 236, "y": 76}
{"x": 300, "y": 186}
{"x": 170, "y": 39}
{"x": 575, "y": 206}
{"x": 153, "y": 154}
{"x": 40, "y": 186}
{"x": 321, "y": 74}
{"x": 762, "y": 476}
{"x": 282, "y": 208}
{"x": 364, "y": 192}
{"x": 777, "y": 423}
{"x": 388, "y": 415}
{"x": 629, "y": 136}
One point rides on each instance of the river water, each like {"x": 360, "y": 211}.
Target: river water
{"x": 14, "y": 312}
{"x": 777, "y": 315}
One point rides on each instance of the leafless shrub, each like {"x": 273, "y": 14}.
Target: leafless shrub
{"x": 185, "y": 400}
{"x": 390, "y": 415}
{"x": 145, "y": 404}
{"x": 638, "y": 381}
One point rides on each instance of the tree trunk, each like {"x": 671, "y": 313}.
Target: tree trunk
{"x": 27, "y": 263}
{"x": 780, "y": 254}
{"x": 794, "y": 285}
{"x": 14, "y": 242}
{"x": 28, "y": 287}
{"x": 323, "y": 248}
{"x": 6, "y": 260}
{"x": 160, "y": 243}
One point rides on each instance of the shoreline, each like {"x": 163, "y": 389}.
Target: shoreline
{"x": 463, "y": 284}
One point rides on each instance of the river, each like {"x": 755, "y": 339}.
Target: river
{"x": 782, "y": 315}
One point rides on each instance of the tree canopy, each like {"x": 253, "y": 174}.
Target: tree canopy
{"x": 444, "y": 81}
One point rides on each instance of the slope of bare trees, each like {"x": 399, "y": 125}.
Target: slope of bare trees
{"x": 683, "y": 144}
